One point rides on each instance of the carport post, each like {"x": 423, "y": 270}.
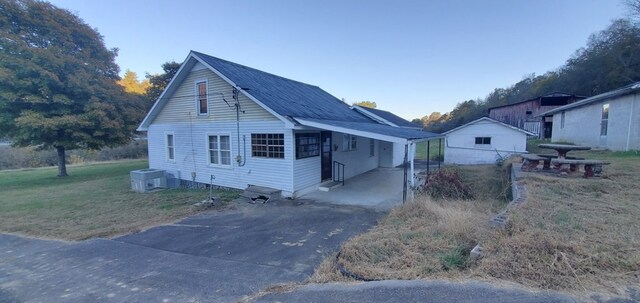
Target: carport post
{"x": 404, "y": 186}
{"x": 412, "y": 152}
{"x": 439, "y": 151}
{"x": 428, "y": 145}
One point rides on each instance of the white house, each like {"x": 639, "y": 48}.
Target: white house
{"x": 392, "y": 154}
{"x": 248, "y": 127}
{"x": 483, "y": 141}
{"x": 610, "y": 120}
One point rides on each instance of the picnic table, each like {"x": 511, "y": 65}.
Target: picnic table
{"x": 563, "y": 149}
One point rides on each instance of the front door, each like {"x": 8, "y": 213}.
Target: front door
{"x": 325, "y": 150}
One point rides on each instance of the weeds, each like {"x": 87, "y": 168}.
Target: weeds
{"x": 447, "y": 184}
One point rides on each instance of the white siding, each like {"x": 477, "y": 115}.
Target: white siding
{"x": 460, "y": 147}
{"x": 307, "y": 171}
{"x": 391, "y": 154}
{"x": 356, "y": 161}
{"x": 182, "y": 104}
{"x": 191, "y": 154}
{"x": 582, "y": 125}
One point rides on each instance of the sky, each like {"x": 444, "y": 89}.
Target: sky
{"x": 410, "y": 57}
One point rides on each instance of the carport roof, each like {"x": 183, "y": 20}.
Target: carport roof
{"x": 371, "y": 130}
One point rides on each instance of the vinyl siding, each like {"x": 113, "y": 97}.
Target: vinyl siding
{"x": 181, "y": 106}
{"x": 460, "y": 147}
{"x": 191, "y": 154}
{"x": 356, "y": 161}
{"x": 582, "y": 124}
{"x": 306, "y": 172}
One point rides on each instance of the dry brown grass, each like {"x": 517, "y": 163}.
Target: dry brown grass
{"x": 573, "y": 234}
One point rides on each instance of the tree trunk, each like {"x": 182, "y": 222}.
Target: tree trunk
{"x": 62, "y": 162}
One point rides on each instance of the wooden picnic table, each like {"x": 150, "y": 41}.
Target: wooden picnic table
{"x": 563, "y": 149}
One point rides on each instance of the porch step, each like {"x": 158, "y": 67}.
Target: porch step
{"x": 260, "y": 194}
{"x": 329, "y": 185}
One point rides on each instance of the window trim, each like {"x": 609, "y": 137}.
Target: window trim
{"x": 284, "y": 144}
{"x": 207, "y": 148}
{"x": 167, "y": 147}
{"x": 197, "y": 96}
{"x": 349, "y": 142}
{"x": 307, "y": 135}
{"x": 482, "y": 141}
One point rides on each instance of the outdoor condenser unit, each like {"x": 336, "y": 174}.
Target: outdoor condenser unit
{"x": 145, "y": 180}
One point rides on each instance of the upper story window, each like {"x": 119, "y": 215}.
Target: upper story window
{"x": 267, "y": 145}
{"x": 349, "y": 142}
{"x": 201, "y": 98}
{"x": 307, "y": 145}
{"x": 170, "y": 145}
{"x": 483, "y": 140}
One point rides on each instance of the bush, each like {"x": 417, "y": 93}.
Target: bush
{"x": 447, "y": 184}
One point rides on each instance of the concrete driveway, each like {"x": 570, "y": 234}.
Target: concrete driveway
{"x": 210, "y": 257}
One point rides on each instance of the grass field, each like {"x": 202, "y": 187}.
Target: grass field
{"x": 572, "y": 234}
{"x": 94, "y": 201}
{"x": 421, "y": 150}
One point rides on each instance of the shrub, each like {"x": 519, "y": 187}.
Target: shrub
{"x": 447, "y": 184}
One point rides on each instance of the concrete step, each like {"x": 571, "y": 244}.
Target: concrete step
{"x": 260, "y": 193}
{"x": 329, "y": 185}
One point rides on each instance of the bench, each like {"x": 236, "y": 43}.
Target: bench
{"x": 592, "y": 168}
{"x": 530, "y": 162}
{"x": 547, "y": 163}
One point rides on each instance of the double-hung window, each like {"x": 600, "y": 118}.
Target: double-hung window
{"x": 219, "y": 150}
{"x": 170, "y": 145}
{"x": 202, "y": 102}
{"x": 604, "y": 123}
{"x": 349, "y": 142}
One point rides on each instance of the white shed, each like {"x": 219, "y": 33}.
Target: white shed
{"x": 483, "y": 141}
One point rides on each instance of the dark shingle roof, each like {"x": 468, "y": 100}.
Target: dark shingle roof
{"x": 391, "y": 117}
{"x": 285, "y": 96}
{"x": 382, "y": 129}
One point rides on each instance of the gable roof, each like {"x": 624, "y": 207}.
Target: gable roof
{"x": 385, "y": 117}
{"x": 625, "y": 90}
{"x": 487, "y": 119}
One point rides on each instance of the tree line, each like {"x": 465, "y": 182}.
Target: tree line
{"x": 610, "y": 59}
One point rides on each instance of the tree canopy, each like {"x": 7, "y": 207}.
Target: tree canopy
{"x": 58, "y": 82}
{"x": 158, "y": 82}
{"x": 132, "y": 85}
{"x": 369, "y": 104}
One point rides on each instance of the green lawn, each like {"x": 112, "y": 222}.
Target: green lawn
{"x": 94, "y": 201}
{"x": 421, "y": 150}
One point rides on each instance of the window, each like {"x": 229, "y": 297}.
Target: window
{"x": 219, "y": 150}
{"x": 349, "y": 142}
{"x": 604, "y": 124}
{"x": 307, "y": 145}
{"x": 562, "y": 120}
{"x": 372, "y": 147}
{"x": 483, "y": 140}
{"x": 202, "y": 101}
{"x": 528, "y": 113}
{"x": 267, "y": 145}
{"x": 170, "y": 143}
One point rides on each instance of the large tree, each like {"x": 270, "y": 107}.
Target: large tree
{"x": 58, "y": 82}
{"x": 369, "y": 104}
{"x": 131, "y": 84}
{"x": 159, "y": 82}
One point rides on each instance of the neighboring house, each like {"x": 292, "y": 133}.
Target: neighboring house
{"x": 526, "y": 114}
{"x": 248, "y": 127}
{"x": 483, "y": 141}
{"x": 610, "y": 120}
{"x": 392, "y": 154}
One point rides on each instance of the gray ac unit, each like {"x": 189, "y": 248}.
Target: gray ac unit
{"x": 145, "y": 180}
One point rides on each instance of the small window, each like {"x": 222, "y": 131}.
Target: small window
{"x": 562, "y": 120}
{"x": 372, "y": 148}
{"x": 483, "y": 140}
{"x": 349, "y": 142}
{"x": 604, "y": 124}
{"x": 528, "y": 113}
{"x": 307, "y": 145}
{"x": 203, "y": 102}
{"x": 170, "y": 147}
{"x": 219, "y": 150}
{"x": 267, "y": 145}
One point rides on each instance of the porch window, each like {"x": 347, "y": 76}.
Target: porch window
{"x": 219, "y": 150}
{"x": 202, "y": 101}
{"x": 604, "y": 124}
{"x": 483, "y": 140}
{"x": 349, "y": 142}
{"x": 170, "y": 143}
{"x": 267, "y": 145}
{"x": 307, "y": 145}
{"x": 372, "y": 148}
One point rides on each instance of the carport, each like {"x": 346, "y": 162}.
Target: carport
{"x": 407, "y": 137}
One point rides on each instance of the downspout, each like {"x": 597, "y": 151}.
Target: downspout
{"x": 630, "y": 121}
